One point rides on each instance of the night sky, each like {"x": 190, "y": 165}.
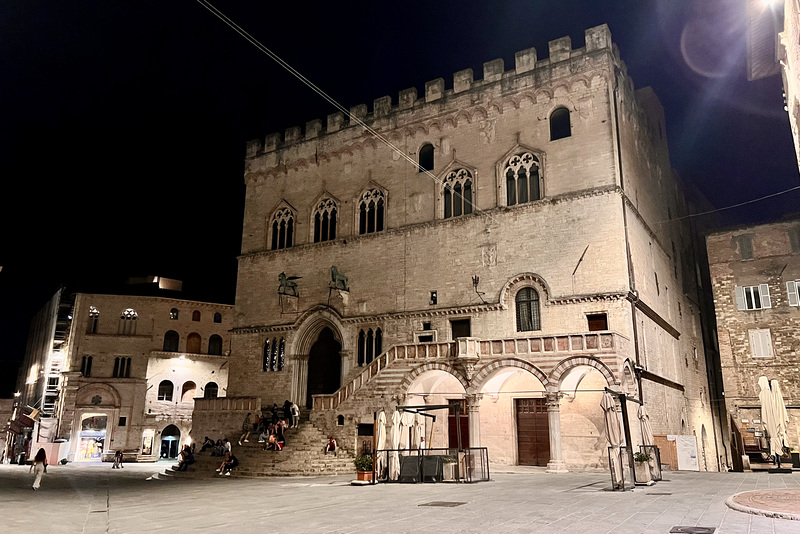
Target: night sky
{"x": 123, "y": 124}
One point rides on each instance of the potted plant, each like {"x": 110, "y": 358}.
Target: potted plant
{"x": 363, "y": 463}
{"x": 641, "y": 467}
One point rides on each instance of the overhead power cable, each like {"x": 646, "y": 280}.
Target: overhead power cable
{"x": 294, "y": 72}
{"x": 732, "y": 206}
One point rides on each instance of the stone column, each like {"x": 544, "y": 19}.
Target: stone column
{"x": 345, "y": 355}
{"x": 474, "y": 413}
{"x": 556, "y": 463}
{"x": 300, "y": 382}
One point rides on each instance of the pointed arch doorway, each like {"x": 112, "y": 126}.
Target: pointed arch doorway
{"x": 324, "y": 366}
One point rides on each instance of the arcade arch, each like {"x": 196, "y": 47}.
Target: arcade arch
{"x": 582, "y": 425}
{"x": 440, "y": 386}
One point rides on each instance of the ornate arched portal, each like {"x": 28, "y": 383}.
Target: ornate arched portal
{"x": 324, "y": 366}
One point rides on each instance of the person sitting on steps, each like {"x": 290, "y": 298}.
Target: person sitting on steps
{"x": 331, "y": 446}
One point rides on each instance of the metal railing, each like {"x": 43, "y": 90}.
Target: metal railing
{"x": 431, "y": 465}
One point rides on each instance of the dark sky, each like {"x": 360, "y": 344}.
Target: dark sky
{"x": 123, "y": 124}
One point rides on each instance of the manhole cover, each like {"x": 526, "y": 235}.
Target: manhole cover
{"x": 693, "y": 530}
{"x": 657, "y": 493}
{"x": 443, "y": 504}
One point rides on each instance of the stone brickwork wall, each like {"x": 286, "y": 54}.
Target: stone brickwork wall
{"x": 773, "y": 263}
{"x": 601, "y": 240}
{"x": 135, "y": 397}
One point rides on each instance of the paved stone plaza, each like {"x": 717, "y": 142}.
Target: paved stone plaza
{"x": 93, "y": 498}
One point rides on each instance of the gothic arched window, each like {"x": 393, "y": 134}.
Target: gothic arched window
{"x": 457, "y": 193}
{"x": 522, "y": 179}
{"x": 371, "y": 211}
{"x": 127, "y": 322}
{"x": 94, "y": 319}
{"x": 282, "y": 229}
{"x": 325, "y": 216}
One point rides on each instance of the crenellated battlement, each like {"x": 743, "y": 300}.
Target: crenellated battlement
{"x": 526, "y": 63}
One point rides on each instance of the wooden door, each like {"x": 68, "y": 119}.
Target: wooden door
{"x": 668, "y": 451}
{"x": 463, "y": 421}
{"x": 533, "y": 432}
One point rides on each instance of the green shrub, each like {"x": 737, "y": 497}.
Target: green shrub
{"x": 363, "y": 462}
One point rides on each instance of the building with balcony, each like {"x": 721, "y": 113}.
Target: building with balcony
{"x": 511, "y": 245}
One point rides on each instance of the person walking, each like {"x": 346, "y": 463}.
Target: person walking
{"x": 287, "y": 411}
{"x": 39, "y": 466}
{"x": 295, "y": 415}
{"x": 117, "y": 460}
{"x": 247, "y": 427}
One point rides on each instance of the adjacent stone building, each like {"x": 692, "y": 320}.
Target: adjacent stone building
{"x": 754, "y": 271}
{"x": 129, "y": 371}
{"x": 507, "y": 244}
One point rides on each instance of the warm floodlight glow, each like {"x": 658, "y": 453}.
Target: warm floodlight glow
{"x": 17, "y": 394}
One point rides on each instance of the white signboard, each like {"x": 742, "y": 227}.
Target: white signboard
{"x": 687, "y": 452}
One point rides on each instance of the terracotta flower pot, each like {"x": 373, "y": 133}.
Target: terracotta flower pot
{"x": 365, "y": 476}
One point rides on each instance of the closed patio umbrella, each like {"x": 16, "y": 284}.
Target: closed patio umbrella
{"x": 380, "y": 462}
{"x": 648, "y": 439}
{"x": 769, "y": 415}
{"x": 394, "y": 439}
{"x": 782, "y": 416}
{"x": 614, "y": 436}
{"x": 417, "y": 431}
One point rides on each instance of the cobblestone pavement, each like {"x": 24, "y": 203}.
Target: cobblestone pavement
{"x": 93, "y": 498}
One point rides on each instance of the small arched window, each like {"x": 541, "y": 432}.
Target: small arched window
{"x": 127, "y": 322}
{"x": 187, "y": 391}
{"x": 218, "y": 317}
{"x": 171, "y": 341}
{"x": 211, "y": 391}
{"x": 122, "y": 367}
{"x": 215, "y": 345}
{"x": 426, "y": 157}
{"x": 196, "y": 315}
{"x": 165, "y": 390}
{"x": 340, "y": 420}
{"x": 527, "y": 301}
{"x": 173, "y": 314}
{"x": 325, "y": 216}
{"x": 371, "y": 211}
{"x": 559, "y": 124}
{"x": 86, "y": 366}
{"x": 94, "y": 319}
{"x": 522, "y": 179}
{"x": 193, "y": 343}
{"x": 282, "y": 229}
{"x": 457, "y": 193}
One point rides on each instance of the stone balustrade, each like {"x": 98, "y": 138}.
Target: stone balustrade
{"x": 474, "y": 349}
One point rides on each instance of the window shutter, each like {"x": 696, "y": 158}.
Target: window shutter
{"x": 755, "y": 343}
{"x": 763, "y": 289}
{"x": 791, "y": 291}
{"x": 739, "y": 298}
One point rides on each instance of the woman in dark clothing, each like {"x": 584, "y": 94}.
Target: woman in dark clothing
{"x": 275, "y": 413}
{"x": 287, "y": 411}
